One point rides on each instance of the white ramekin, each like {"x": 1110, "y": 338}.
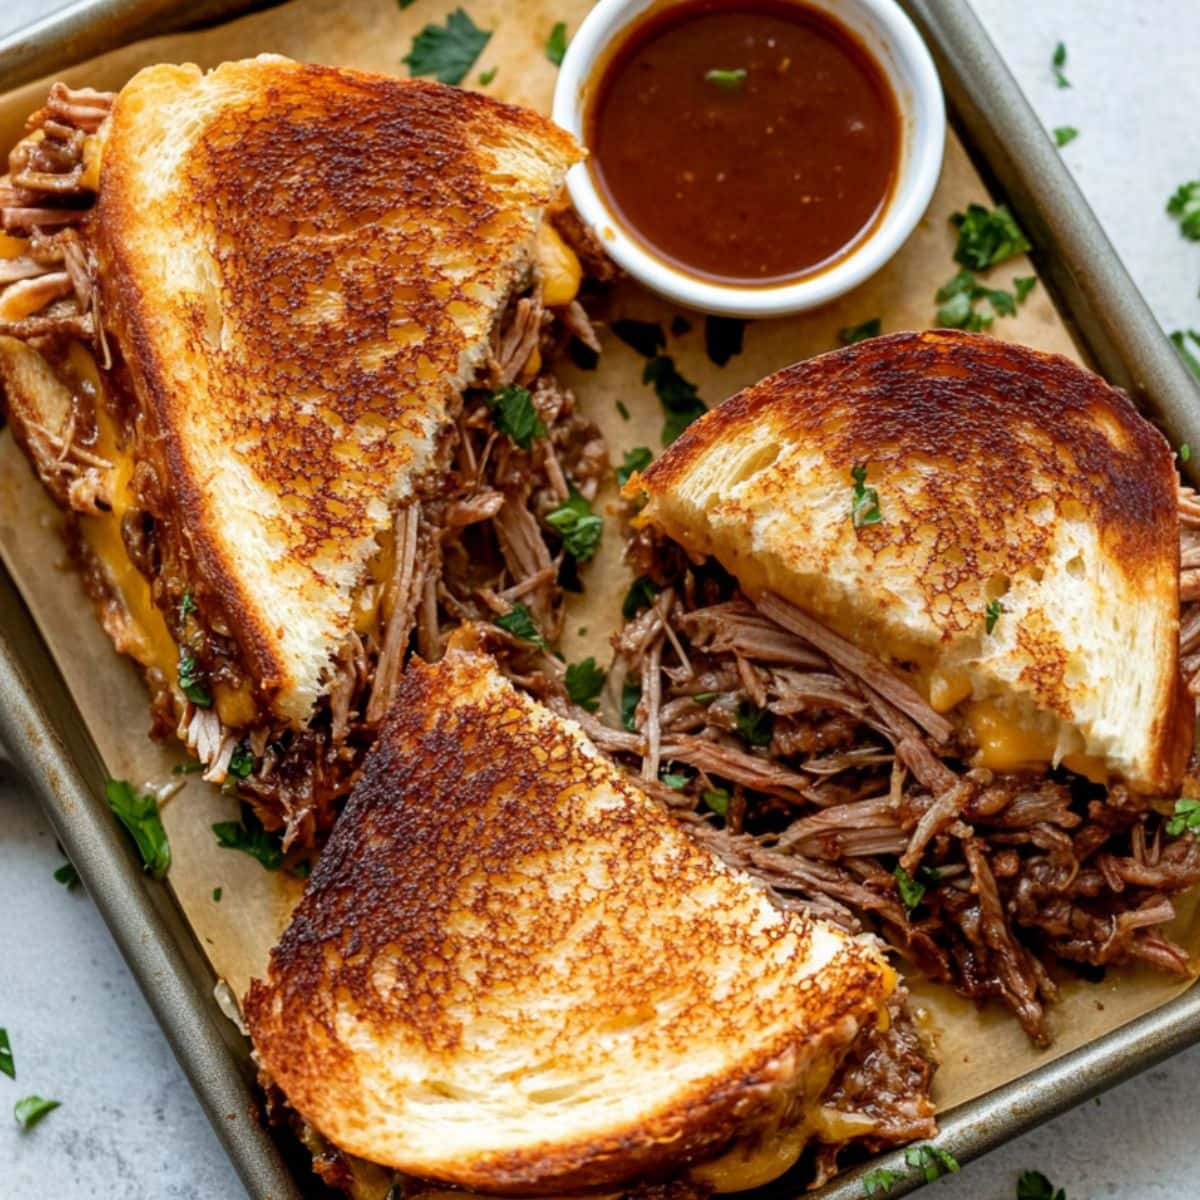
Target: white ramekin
{"x": 894, "y": 42}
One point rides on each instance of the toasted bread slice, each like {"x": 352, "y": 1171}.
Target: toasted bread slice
{"x": 511, "y": 971}
{"x": 300, "y": 267}
{"x": 1025, "y": 563}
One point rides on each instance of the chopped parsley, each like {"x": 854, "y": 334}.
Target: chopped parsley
{"x": 1186, "y": 818}
{"x": 191, "y": 679}
{"x": 993, "y": 612}
{"x": 717, "y": 800}
{"x": 7, "y": 1065}
{"x": 723, "y": 337}
{"x": 631, "y": 695}
{"x": 755, "y": 725}
{"x": 640, "y": 595}
{"x": 674, "y": 780}
{"x": 579, "y": 527}
{"x": 405, "y": 3}
{"x": 870, "y": 328}
{"x": 216, "y": 894}
{"x": 623, "y": 410}
{"x": 556, "y": 43}
{"x": 987, "y": 237}
{"x": 912, "y": 892}
{"x": 932, "y": 1161}
{"x": 1064, "y": 135}
{"x": 645, "y": 337}
{"x": 1178, "y": 340}
{"x": 187, "y": 768}
{"x": 241, "y": 762}
{"x": 141, "y": 818}
{"x": 187, "y": 605}
{"x": 637, "y": 459}
{"x": 447, "y": 52}
{"x": 486, "y": 77}
{"x": 32, "y": 1109}
{"x": 879, "y": 1180}
{"x": 249, "y": 836}
{"x": 678, "y": 396}
{"x": 585, "y": 681}
{"x": 1033, "y": 1185}
{"x": 726, "y": 80}
{"x": 1185, "y": 204}
{"x": 704, "y": 697}
{"x": 67, "y": 876}
{"x": 1058, "y": 60}
{"x": 519, "y": 622}
{"x": 514, "y": 414}
{"x": 1023, "y": 285}
{"x": 1185, "y": 452}
{"x": 865, "y": 508}
{"x": 957, "y": 300}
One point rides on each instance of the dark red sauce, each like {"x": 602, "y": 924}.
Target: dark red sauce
{"x": 746, "y": 178}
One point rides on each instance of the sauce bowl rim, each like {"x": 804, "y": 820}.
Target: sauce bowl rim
{"x": 918, "y": 93}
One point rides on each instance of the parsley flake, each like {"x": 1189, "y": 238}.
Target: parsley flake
{"x": 645, "y": 337}
{"x": 556, "y": 43}
{"x": 249, "y": 836}
{"x": 519, "y": 622}
{"x": 447, "y": 52}
{"x": 67, "y": 876}
{"x": 879, "y": 1180}
{"x": 932, "y": 1161}
{"x": 674, "y": 780}
{"x": 7, "y": 1065}
{"x": 717, "y": 800}
{"x": 1064, "y": 135}
{"x": 30, "y": 1110}
{"x": 958, "y": 296}
{"x": 723, "y": 338}
{"x": 726, "y": 80}
{"x": 187, "y": 605}
{"x": 912, "y": 892}
{"x": 216, "y": 895}
{"x": 679, "y": 397}
{"x": 514, "y": 414}
{"x": 1186, "y": 818}
{"x": 584, "y": 681}
{"x": 1033, "y": 1185}
{"x": 141, "y": 818}
{"x": 1185, "y": 204}
{"x": 755, "y": 725}
{"x": 631, "y": 695}
{"x": 623, "y": 410}
{"x": 486, "y": 77}
{"x": 579, "y": 527}
{"x": 987, "y": 237}
{"x": 187, "y": 768}
{"x": 1023, "y": 285}
{"x": 241, "y": 762}
{"x": 865, "y": 508}
{"x": 993, "y": 612}
{"x": 1178, "y": 340}
{"x": 1185, "y": 452}
{"x": 637, "y": 459}
{"x": 1058, "y": 60}
{"x": 860, "y": 332}
{"x": 191, "y": 679}
{"x": 640, "y": 595}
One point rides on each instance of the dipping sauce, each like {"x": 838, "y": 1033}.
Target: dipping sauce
{"x": 748, "y": 141}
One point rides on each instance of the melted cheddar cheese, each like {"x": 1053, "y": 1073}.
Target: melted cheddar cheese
{"x": 559, "y": 264}
{"x": 1006, "y": 744}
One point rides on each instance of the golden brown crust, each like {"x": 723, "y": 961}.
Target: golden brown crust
{"x": 471, "y": 887}
{"x": 345, "y": 238}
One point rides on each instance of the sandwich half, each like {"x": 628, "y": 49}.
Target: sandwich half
{"x": 276, "y": 337}
{"x": 912, "y": 612}
{"x": 513, "y": 972}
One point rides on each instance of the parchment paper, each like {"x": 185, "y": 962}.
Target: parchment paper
{"x": 979, "y": 1051}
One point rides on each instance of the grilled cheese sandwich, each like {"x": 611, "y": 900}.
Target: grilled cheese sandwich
{"x": 997, "y": 524}
{"x": 512, "y": 972}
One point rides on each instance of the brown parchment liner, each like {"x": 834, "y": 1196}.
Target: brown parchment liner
{"x": 979, "y": 1051}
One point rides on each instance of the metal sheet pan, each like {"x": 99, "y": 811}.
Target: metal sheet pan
{"x": 44, "y": 733}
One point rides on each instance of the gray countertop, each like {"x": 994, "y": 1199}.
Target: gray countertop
{"x": 129, "y": 1126}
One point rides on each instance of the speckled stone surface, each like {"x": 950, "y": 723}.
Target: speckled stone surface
{"x": 129, "y": 1127}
